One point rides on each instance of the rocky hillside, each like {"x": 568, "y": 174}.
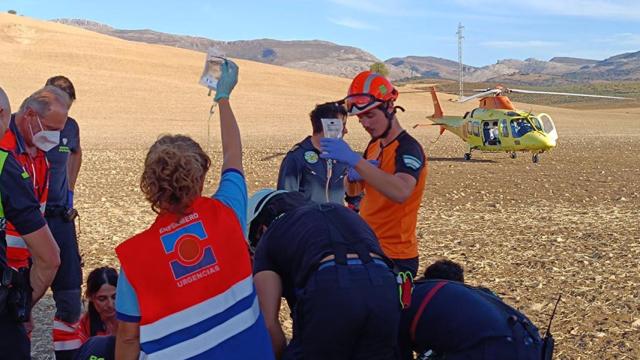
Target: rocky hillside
{"x": 313, "y": 55}
{"x": 333, "y": 59}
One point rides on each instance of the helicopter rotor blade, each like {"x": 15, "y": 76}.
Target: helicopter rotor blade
{"x": 566, "y": 94}
{"x": 480, "y": 95}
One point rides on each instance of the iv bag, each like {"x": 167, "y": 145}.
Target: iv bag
{"x": 332, "y": 128}
{"x": 211, "y": 73}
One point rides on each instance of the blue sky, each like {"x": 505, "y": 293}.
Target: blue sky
{"x": 494, "y": 29}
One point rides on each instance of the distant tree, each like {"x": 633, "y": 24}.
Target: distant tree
{"x": 380, "y": 68}
{"x": 12, "y": 12}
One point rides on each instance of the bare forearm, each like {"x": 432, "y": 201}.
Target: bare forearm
{"x": 127, "y": 341}
{"x": 127, "y": 349}
{"x": 73, "y": 168}
{"x": 390, "y": 185}
{"x": 278, "y": 340}
{"x": 231, "y": 141}
{"x": 41, "y": 276}
{"x": 46, "y": 260}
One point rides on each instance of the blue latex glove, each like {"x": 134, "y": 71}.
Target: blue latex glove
{"x": 352, "y": 174}
{"x": 228, "y": 80}
{"x": 70, "y": 199}
{"x": 339, "y": 150}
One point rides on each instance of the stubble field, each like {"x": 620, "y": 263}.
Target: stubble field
{"x": 568, "y": 225}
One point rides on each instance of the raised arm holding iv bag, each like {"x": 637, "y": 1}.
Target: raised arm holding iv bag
{"x": 209, "y": 79}
{"x": 332, "y": 128}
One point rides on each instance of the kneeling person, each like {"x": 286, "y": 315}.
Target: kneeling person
{"x": 327, "y": 263}
{"x": 450, "y": 320}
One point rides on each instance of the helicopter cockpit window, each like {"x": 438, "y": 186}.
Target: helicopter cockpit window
{"x": 476, "y": 129}
{"x": 537, "y": 123}
{"x": 520, "y": 127}
{"x": 547, "y": 123}
{"x": 505, "y": 128}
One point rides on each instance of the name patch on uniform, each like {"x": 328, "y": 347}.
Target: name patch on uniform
{"x": 63, "y": 149}
{"x": 311, "y": 157}
{"x": 187, "y": 255}
{"x": 411, "y": 162}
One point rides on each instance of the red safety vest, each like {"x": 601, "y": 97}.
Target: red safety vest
{"x": 38, "y": 169}
{"x": 193, "y": 281}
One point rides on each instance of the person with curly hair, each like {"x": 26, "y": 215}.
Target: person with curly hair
{"x": 185, "y": 288}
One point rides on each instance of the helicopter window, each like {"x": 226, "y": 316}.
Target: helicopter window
{"x": 476, "y": 129}
{"x": 469, "y": 127}
{"x": 520, "y": 127}
{"x": 537, "y": 123}
{"x": 547, "y": 124}
{"x": 505, "y": 128}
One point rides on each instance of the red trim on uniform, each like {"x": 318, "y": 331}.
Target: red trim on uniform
{"x": 38, "y": 169}
{"x": 425, "y": 301}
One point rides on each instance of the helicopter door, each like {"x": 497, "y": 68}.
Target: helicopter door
{"x": 548, "y": 126}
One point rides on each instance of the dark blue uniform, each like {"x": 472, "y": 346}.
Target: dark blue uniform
{"x": 347, "y": 308}
{"x": 303, "y": 170}
{"x": 462, "y": 322}
{"x": 19, "y": 206}
{"x": 98, "y": 347}
{"x": 66, "y": 285}
{"x": 58, "y": 158}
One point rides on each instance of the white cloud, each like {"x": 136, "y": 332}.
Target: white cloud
{"x": 514, "y": 44}
{"x": 603, "y": 9}
{"x": 352, "y": 23}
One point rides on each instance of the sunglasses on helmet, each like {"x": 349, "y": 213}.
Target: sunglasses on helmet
{"x": 358, "y": 103}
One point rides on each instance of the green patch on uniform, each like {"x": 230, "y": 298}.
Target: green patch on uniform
{"x": 383, "y": 89}
{"x": 311, "y": 157}
{"x": 64, "y": 149}
{"x": 25, "y": 175}
{"x": 411, "y": 162}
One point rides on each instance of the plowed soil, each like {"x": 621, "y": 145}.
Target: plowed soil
{"x": 568, "y": 225}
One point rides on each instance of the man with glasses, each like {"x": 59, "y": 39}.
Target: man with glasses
{"x": 30, "y": 259}
{"x": 392, "y": 172}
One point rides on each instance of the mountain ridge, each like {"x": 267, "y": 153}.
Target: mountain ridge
{"x": 325, "y": 57}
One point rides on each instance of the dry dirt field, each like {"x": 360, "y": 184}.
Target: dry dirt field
{"x": 568, "y": 225}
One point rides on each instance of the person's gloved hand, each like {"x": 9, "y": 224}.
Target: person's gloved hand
{"x": 353, "y": 175}
{"x": 70, "y": 199}
{"x": 339, "y": 150}
{"x": 228, "y": 80}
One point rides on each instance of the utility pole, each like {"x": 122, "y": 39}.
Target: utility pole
{"x": 460, "y": 64}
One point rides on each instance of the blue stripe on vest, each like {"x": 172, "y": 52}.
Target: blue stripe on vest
{"x": 203, "y": 326}
{"x": 252, "y": 343}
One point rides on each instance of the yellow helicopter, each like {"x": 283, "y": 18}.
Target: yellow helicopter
{"x": 497, "y": 126}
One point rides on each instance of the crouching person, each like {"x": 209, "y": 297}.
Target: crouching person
{"x": 450, "y": 320}
{"x": 185, "y": 289}
{"x": 327, "y": 263}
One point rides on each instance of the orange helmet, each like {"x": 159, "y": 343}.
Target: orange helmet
{"x": 369, "y": 90}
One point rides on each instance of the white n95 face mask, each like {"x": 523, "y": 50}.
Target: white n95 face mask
{"x": 45, "y": 140}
